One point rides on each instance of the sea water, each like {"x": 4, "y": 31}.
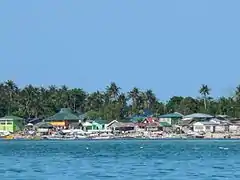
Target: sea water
{"x": 120, "y": 159}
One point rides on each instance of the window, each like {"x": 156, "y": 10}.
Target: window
{"x": 199, "y": 127}
{"x": 208, "y": 127}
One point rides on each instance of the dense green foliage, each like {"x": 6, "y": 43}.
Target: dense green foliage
{"x": 111, "y": 104}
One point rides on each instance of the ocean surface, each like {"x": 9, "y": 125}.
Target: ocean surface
{"x": 120, "y": 159}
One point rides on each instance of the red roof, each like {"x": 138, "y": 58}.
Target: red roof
{"x": 153, "y": 124}
{"x": 149, "y": 120}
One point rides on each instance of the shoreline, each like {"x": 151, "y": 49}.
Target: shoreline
{"x": 117, "y": 139}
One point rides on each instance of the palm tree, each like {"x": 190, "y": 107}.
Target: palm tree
{"x": 77, "y": 99}
{"x": 64, "y": 95}
{"x": 122, "y": 99}
{"x": 94, "y": 101}
{"x": 134, "y": 94}
{"x": 28, "y": 96}
{"x": 205, "y": 91}
{"x": 151, "y": 98}
{"x": 237, "y": 93}
{"x": 112, "y": 91}
{"x": 11, "y": 91}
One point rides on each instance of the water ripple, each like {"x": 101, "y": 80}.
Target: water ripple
{"x": 126, "y": 159}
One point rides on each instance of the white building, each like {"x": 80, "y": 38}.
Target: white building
{"x": 203, "y": 127}
{"x": 234, "y": 128}
{"x": 211, "y": 127}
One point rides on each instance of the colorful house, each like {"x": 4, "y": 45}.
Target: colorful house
{"x": 64, "y": 118}
{"x": 11, "y": 123}
{"x": 149, "y": 124}
{"x": 99, "y": 124}
{"x": 172, "y": 118}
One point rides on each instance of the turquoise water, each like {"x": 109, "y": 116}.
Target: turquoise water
{"x": 120, "y": 159}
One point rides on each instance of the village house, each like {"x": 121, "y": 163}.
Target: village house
{"x": 203, "y": 127}
{"x": 117, "y": 126}
{"x": 11, "y": 124}
{"x": 99, "y": 125}
{"x": 165, "y": 126}
{"x": 64, "y": 119}
{"x": 209, "y": 126}
{"x": 172, "y": 118}
{"x": 149, "y": 124}
{"x": 234, "y": 126}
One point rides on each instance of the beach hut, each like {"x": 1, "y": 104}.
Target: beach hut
{"x": 172, "y": 118}
{"x": 11, "y": 123}
{"x": 63, "y": 118}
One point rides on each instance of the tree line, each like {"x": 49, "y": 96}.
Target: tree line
{"x": 40, "y": 102}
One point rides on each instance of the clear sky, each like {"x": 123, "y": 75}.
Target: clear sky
{"x": 171, "y": 47}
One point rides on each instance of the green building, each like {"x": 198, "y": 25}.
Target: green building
{"x": 172, "y": 118}
{"x": 11, "y": 123}
{"x": 64, "y": 118}
{"x": 99, "y": 124}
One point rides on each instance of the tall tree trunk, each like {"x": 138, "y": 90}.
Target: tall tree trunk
{"x": 205, "y": 103}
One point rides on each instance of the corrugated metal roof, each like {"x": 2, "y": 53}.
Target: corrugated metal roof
{"x": 172, "y": 115}
{"x": 198, "y": 115}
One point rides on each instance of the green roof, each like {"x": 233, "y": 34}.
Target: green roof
{"x": 172, "y": 115}
{"x": 64, "y": 114}
{"x": 165, "y": 124}
{"x": 11, "y": 118}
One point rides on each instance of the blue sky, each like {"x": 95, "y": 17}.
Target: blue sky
{"x": 171, "y": 47}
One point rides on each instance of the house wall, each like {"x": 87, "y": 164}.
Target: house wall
{"x": 209, "y": 128}
{"x": 58, "y": 123}
{"x": 151, "y": 128}
{"x": 168, "y": 120}
{"x": 7, "y": 126}
{"x": 172, "y": 121}
{"x": 97, "y": 126}
{"x": 219, "y": 128}
{"x": 234, "y": 128}
{"x": 198, "y": 128}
